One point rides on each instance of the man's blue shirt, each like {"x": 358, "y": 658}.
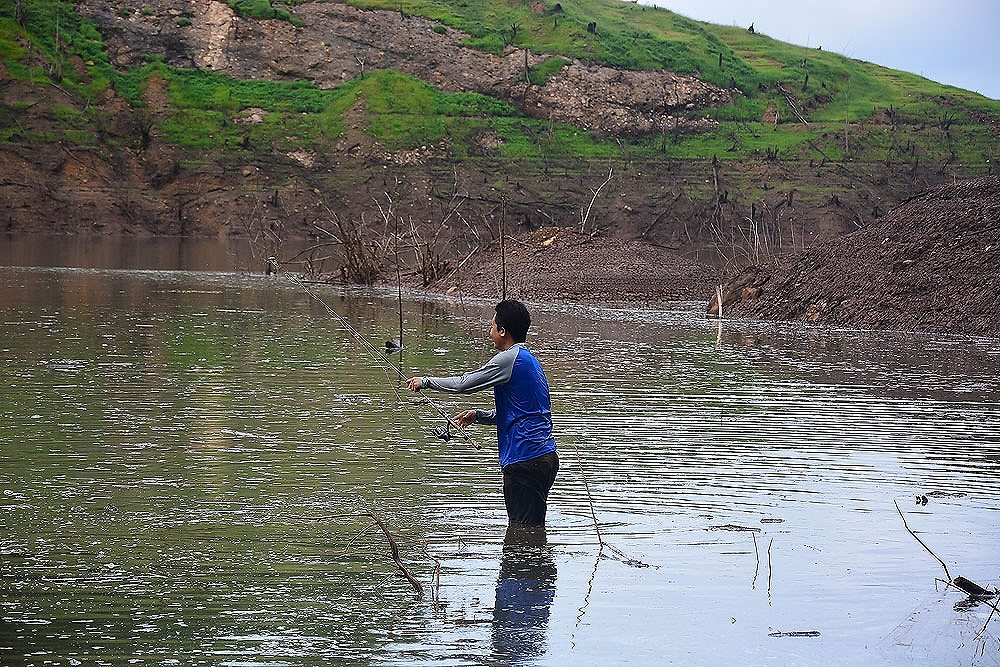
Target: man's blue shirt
{"x": 523, "y": 414}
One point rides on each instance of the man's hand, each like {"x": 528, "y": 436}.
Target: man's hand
{"x": 413, "y": 384}
{"x": 466, "y": 418}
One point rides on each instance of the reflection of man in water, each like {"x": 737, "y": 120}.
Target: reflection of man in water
{"x": 525, "y": 590}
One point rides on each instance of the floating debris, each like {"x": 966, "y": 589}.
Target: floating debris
{"x": 946, "y": 494}
{"x": 735, "y": 529}
{"x": 972, "y": 589}
{"x": 794, "y": 633}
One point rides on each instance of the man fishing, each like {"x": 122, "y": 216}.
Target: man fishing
{"x": 522, "y": 414}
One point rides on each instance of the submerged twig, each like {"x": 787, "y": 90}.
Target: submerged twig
{"x": 905, "y": 525}
{"x": 393, "y": 547}
{"x": 756, "y": 569}
{"x": 436, "y": 579}
{"x": 769, "y": 568}
{"x": 582, "y": 611}
{"x": 357, "y": 537}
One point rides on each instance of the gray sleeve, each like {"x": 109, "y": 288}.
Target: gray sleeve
{"x": 496, "y": 371}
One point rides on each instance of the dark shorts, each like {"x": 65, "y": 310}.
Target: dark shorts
{"x": 526, "y": 489}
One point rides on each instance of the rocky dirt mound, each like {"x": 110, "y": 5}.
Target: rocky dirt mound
{"x": 930, "y": 264}
{"x": 555, "y": 263}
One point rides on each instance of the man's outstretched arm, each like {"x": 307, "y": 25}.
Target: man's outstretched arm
{"x": 496, "y": 371}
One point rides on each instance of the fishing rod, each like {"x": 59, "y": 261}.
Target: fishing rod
{"x": 443, "y": 432}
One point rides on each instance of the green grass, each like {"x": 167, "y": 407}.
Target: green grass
{"x": 261, "y": 9}
{"x": 540, "y": 73}
{"x": 634, "y": 36}
{"x": 400, "y": 111}
{"x": 55, "y": 32}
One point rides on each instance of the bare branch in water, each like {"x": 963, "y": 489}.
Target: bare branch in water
{"x": 393, "y": 547}
{"x": 905, "y": 525}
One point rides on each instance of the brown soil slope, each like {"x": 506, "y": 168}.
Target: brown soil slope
{"x": 930, "y": 264}
{"x": 555, "y": 263}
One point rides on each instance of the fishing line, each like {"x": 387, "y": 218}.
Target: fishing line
{"x": 390, "y": 369}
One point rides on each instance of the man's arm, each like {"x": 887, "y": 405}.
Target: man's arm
{"x": 470, "y": 417}
{"x": 496, "y": 371}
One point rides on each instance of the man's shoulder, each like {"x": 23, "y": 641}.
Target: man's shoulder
{"x": 521, "y": 351}
{"x": 506, "y": 357}
{"x": 525, "y": 356}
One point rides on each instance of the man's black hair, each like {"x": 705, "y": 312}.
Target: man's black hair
{"x": 514, "y": 317}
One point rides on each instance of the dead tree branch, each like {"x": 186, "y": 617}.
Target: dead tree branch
{"x": 905, "y": 525}
{"x": 585, "y": 216}
{"x": 393, "y": 547}
{"x": 791, "y": 103}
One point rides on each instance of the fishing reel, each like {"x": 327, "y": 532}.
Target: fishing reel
{"x": 444, "y": 432}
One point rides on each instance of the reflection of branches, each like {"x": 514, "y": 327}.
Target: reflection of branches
{"x": 436, "y": 579}
{"x": 993, "y": 609}
{"x": 582, "y": 611}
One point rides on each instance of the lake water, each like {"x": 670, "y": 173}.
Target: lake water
{"x": 186, "y": 457}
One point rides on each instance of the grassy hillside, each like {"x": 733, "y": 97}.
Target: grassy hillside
{"x": 855, "y": 110}
{"x": 633, "y": 36}
{"x": 49, "y": 47}
{"x": 830, "y": 91}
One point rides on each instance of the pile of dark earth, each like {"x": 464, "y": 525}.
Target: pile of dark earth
{"x": 931, "y": 264}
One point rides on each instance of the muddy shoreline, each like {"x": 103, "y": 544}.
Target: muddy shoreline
{"x": 929, "y": 265}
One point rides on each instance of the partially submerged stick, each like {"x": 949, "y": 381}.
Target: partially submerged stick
{"x": 393, "y": 547}
{"x": 970, "y": 588}
{"x": 394, "y": 552}
{"x": 905, "y": 525}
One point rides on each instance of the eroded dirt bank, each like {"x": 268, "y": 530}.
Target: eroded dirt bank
{"x": 930, "y": 264}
